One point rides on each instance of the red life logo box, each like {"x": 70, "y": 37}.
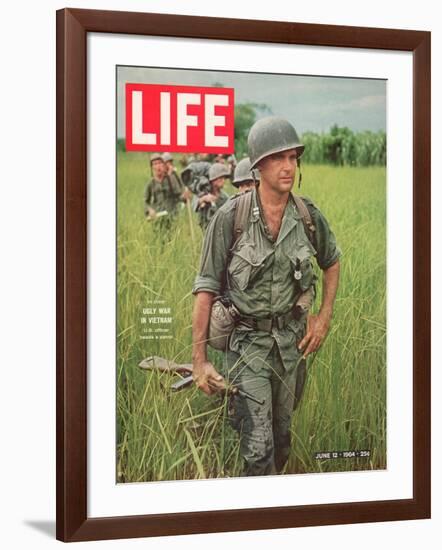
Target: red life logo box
{"x": 182, "y": 119}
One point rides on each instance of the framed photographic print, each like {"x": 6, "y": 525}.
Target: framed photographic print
{"x": 243, "y": 274}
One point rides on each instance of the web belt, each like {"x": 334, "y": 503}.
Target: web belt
{"x": 267, "y": 325}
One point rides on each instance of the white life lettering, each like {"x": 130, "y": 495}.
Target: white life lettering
{"x": 165, "y": 118}
{"x": 138, "y": 136}
{"x": 185, "y": 120}
{"x": 212, "y": 120}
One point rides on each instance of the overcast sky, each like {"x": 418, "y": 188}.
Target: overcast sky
{"x": 309, "y": 103}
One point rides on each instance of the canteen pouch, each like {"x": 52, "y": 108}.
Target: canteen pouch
{"x": 223, "y": 318}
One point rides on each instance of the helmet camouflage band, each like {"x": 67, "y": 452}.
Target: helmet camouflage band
{"x": 218, "y": 170}
{"x": 155, "y": 156}
{"x": 272, "y": 135}
{"x": 243, "y": 173}
{"x": 167, "y": 157}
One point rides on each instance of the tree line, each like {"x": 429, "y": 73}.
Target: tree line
{"x": 343, "y": 147}
{"x": 340, "y": 146}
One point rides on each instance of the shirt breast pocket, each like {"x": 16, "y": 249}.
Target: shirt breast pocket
{"x": 302, "y": 266}
{"x": 245, "y": 265}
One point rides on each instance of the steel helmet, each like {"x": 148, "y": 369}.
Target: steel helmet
{"x": 167, "y": 157}
{"x": 243, "y": 172}
{"x": 218, "y": 170}
{"x": 155, "y": 156}
{"x": 271, "y": 135}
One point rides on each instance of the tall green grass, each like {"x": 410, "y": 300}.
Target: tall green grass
{"x": 164, "y": 435}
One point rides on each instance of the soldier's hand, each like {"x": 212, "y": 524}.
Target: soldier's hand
{"x": 317, "y": 329}
{"x": 152, "y": 213}
{"x": 209, "y": 199}
{"x": 187, "y": 194}
{"x": 207, "y": 378}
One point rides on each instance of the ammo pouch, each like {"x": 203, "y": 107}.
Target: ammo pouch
{"x": 223, "y": 319}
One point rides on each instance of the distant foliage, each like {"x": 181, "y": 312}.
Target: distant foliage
{"x": 343, "y": 147}
{"x": 340, "y": 146}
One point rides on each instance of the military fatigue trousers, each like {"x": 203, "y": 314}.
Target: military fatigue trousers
{"x": 264, "y": 430}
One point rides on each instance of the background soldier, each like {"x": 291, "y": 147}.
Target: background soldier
{"x": 170, "y": 169}
{"x": 267, "y": 271}
{"x": 174, "y": 177}
{"x": 244, "y": 178}
{"x": 161, "y": 195}
{"x": 231, "y": 161}
{"x": 208, "y": 203}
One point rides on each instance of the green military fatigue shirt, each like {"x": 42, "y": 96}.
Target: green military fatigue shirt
{"x": 260, "y": 278}
{"x": 207, "y": 213}
{"x": 176, "y": 180}
{"x": 162, "y": 195}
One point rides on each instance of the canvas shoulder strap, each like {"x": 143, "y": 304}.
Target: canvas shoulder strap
{"x": 242, "y": 211}
{"x": 306, "y": 218}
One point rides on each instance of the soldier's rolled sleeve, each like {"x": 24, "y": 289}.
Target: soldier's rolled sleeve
{"x": 327, "y": 250}
{"x": 214, "y": 254}
{"x": 206, "y": 284}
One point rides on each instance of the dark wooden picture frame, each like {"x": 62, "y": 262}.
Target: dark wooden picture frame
{"x": 73, "y": 523}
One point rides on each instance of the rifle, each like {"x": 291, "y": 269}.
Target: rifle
{"x": 154, "y": 362}
{"x": 188, "y": 380}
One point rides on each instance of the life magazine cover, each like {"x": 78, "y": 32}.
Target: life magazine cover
{"x": 251, "y": 274}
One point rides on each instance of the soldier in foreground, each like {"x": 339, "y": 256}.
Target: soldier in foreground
{"x": 263, "y": 277}
{"x": 161, "y": 195}
{"x": 243, "y": 177}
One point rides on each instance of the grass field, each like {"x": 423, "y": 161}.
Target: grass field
{"x": 164, "y": 435}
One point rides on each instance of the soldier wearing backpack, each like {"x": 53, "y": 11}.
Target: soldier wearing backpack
{"x": 243, "y": 177}
{"x": 207, "y": 204}
{"x": 263, "y": 270}
{"x": 162, "y": 194}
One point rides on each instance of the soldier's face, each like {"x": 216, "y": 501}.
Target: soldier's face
{"x": 158, "y": 169}
{"x": 218, "y": 183}
{"x": 246, "y": 186}
{"x": 278, "y": 171}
